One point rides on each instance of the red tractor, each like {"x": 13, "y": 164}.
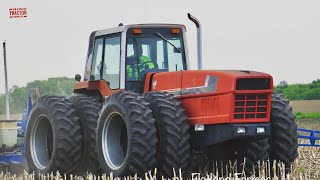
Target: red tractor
{"x": 140, "y": 107}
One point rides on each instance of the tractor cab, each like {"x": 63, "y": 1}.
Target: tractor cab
{"x": 124, "y": 55}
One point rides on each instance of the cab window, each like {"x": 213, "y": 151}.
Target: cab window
{"x": 107, "y": 52}
{"x": 112, "y": 62}
{"x": 97, "y": 59}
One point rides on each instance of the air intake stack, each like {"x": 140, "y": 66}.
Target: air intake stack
{"x": 199, "y": 39}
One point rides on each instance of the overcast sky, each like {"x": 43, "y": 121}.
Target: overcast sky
{"x": 278, "y": 37}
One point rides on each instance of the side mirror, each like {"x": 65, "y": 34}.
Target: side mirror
{"x": 77, "y": 77}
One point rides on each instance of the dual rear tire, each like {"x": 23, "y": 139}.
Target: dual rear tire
{"x": 173, "y": 149}
{"x": 126, "y": 135}
{"x": 87, "y": 109}
{"x": 136, "y": 134}
{"x": 79, "y": 135}
{"x": 53, "y": 138}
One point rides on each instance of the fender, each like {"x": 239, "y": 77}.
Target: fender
{"x": 88, "y": 87}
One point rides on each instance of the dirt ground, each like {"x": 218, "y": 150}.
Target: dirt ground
{"x": 309, "y": 124}
{"x": 305, "y": 106}
{"x": 308, "y": 162}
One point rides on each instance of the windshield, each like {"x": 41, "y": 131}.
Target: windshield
{"x": 154, "y": 50}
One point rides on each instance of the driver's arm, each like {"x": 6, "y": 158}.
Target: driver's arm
{"x": 146, "y": 61}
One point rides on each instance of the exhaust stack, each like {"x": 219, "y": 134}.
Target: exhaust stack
{"x": 199, "y": 39}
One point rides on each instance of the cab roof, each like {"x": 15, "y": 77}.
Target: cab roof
{"x": 123, "y": 28}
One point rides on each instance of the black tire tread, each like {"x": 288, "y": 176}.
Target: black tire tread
{"x": 143, "y": 130}
{"x": 173, "y": 132}
{"x": 68, "y": 137}
{"x": 87, "y": 109}
{"x": 284, "y": 136}
{"x": 253, "y": 153}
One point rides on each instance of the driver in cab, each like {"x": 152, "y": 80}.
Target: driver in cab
{"x": 138, "y": 64}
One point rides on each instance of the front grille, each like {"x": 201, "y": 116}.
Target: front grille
{"x": 250, "y": 106}
{"x": 253, "y": 84}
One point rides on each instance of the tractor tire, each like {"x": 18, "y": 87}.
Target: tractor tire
{"x": 284, "y": 136}
{"x": 250, "y": 154}
{"x": 87, "y": 109}
{"x": 174, "y": 149}
{"x": 126, "y": 135}
{"x": 53, "y": 139}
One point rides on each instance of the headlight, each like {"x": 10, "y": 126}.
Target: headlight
{"x": 199, "y": 127}
{"x": 261, "y": 130}
{"x": 241, "y": 130}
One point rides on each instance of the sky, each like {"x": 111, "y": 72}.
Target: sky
{"x": 281, "y": 38}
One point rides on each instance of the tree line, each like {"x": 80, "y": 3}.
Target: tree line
{"x": 60, "y": 86}
{"x": 299, "y": 91}
{"x": 63, "y": 86}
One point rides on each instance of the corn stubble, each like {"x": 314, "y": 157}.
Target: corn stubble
{"x": 307, "y": 166}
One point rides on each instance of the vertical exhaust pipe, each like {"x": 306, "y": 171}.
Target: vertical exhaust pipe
{"x": 6, "y": 81}
{"x": 199, "y": 39}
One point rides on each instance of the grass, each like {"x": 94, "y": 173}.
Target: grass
{"x": 307, "y": 115}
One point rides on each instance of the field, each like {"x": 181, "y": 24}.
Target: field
{"x": 307, "y": 166}
{"x": 305, "y": 106}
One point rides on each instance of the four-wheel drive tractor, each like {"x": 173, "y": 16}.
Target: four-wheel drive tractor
{"x": 140, "y": 107}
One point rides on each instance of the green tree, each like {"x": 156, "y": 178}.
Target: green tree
{"x": 18, "y": 98}
{"x": 2, "y": 104}
{"x": 60, "y": 86}
{"x": 300, "y": 91}
{"x": 282, "y": 85}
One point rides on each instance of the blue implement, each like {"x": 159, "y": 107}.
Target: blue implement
{"x": 16, "y": 156}
{"x": 7, "y": 158}
{"x": 313, "y": 138}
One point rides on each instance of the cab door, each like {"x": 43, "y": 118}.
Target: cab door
{"x": 106, "y": 60}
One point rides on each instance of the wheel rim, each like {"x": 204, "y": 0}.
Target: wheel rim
{"x": 41, "y": 142}
{"x": 114, "y": 141}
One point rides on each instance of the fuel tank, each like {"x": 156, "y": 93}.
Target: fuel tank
{"x": 218, "y": 96}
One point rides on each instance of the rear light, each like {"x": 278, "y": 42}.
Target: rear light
{"x": 251, "y": 106}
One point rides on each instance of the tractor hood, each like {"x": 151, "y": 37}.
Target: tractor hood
{"x": 204, "y": 82}
{"x": 217, "y": 97}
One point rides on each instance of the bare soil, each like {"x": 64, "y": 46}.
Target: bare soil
{"x": 305, "y": 106}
